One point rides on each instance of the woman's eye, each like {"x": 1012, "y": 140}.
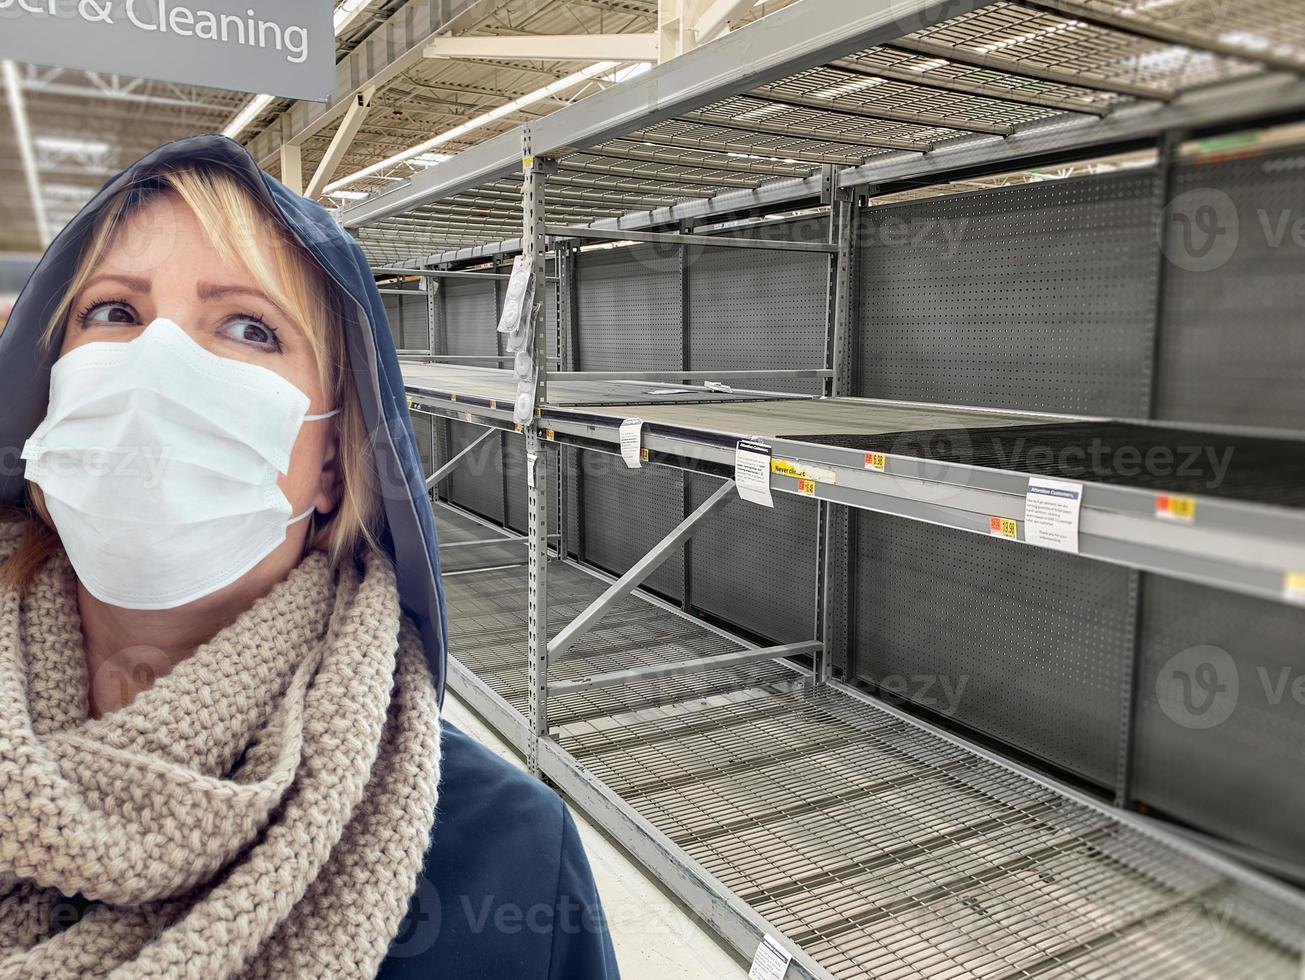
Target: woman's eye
{"x": 251, "y": 331}
{"x": 112, "y": 314}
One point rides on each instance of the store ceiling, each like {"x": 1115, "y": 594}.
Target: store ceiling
{"x": 87, "y": 128}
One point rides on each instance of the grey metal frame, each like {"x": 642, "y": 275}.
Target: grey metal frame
{"x": 1117, "y": 523}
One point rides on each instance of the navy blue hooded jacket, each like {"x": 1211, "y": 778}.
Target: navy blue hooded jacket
{"x": 506, "y": 890}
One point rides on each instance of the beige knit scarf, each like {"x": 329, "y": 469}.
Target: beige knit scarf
{"x": 261, "y": 811}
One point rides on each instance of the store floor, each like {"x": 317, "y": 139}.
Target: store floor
{"x": 655, "y": 938}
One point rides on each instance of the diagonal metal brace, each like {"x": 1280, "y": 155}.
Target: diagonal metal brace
{"x": 644, "y": 567}
{"x": 434, "y": 479}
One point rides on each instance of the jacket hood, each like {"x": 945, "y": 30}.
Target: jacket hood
{"x": 409, "y": 532}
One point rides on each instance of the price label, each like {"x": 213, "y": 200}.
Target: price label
{"x": 453, "y": 396}
{"x": 493, "y": 404}
{"x": 1293, "y": 587}
{"x": 550, "y": 435}
{"x": 876, "y": 461}
{"x": 1003, "y": 527}
{"x": 1174, "y": 508}
{"x": 807, "y": 486}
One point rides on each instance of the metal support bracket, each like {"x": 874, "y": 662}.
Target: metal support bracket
{"x": 440, "y": 474}
{"x": 641, "y": 569}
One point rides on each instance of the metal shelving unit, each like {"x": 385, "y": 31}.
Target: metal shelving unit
{"x": 774, "y": 796}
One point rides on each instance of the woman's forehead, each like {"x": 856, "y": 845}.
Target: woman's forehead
{"x": 163, "y": 233}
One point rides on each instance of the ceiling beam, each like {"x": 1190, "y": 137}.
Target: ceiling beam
{"x": 798, "y": 37}
{"x": 717, "y": 17}
{"x": 548, "y": 47}
{"x": 392, "y": 49}
{"x": 18, "y": 112}
{"x": 354, "y": 117}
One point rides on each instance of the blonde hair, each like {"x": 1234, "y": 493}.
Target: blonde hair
{"x": 239, "y": 225}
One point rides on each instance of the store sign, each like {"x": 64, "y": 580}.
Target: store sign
{"x": 271, "y": 46}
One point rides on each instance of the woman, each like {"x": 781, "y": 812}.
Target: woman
{"x": 222, "y": 641}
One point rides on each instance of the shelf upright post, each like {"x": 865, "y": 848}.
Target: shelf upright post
{"x": 535, "y": 172}
{"x": 432, "y": 287}
{"x": 564, "y": 259}
{"x": 833, "y": 521}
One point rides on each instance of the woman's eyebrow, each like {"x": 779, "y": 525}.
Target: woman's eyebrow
{"x": 137, "y": 284}
{"x": 210, "y": 291}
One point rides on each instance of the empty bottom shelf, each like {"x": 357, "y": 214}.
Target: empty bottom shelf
{"x": 881, "y": 848}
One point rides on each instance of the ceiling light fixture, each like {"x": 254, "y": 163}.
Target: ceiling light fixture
{"x": 484, "y": 119}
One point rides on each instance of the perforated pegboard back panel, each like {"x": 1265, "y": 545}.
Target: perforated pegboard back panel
{"x": 756, "y": 566}
{"x": 1039, "y": 297}
{"x": 471, "y": 317}
{"x": 626, "y": 512}
{"x": 628, "y": 308}
{"x": 750, "y": 308}
{"x": 476, "y": 483}
{"x": 1231, "y": 347}
{"x": 1027, "y": 645}
{"x": 1221, "y": 714}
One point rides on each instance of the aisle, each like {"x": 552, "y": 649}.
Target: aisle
{"x": 655, "y": 938}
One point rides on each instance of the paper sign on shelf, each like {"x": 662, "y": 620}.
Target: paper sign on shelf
{"x": 771, "y": 960}
{"x": 631, "y": 433}
{"x": 531, "y": 460}
{"x": 752, "y": 472}
{"x": 1051, "y": 509}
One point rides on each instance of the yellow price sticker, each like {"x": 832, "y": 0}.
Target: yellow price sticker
{"x": 876, "y": 461}
{"x": 643, "y": 455}
{"x": 527, "y": 162}
{"x": 1293, "y": 587}
{"x": 517, "y": 427}
{"x": 1170, "y": 507}
{"x": 1003, "y": 527}
{"x": 550, "y": 435}
{"x": 493, "y": 404}
{"x": 807, "y": 486}
{"x": 468, "y": 416}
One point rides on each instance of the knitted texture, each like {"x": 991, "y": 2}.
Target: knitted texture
{"x": 262, "y": 810}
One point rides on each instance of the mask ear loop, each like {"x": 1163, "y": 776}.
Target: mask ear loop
{"x": 311, "y": 510}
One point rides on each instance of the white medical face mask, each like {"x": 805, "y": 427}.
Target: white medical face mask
{"x": 159, "y": 463}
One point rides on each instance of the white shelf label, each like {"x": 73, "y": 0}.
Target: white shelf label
{"x": 752, "y": 472}
{"x": 531, "y": 460}
{"x": 631, "y": 433}
{"x": 1051, "y": 510}
{"x": 771, "y": 961}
